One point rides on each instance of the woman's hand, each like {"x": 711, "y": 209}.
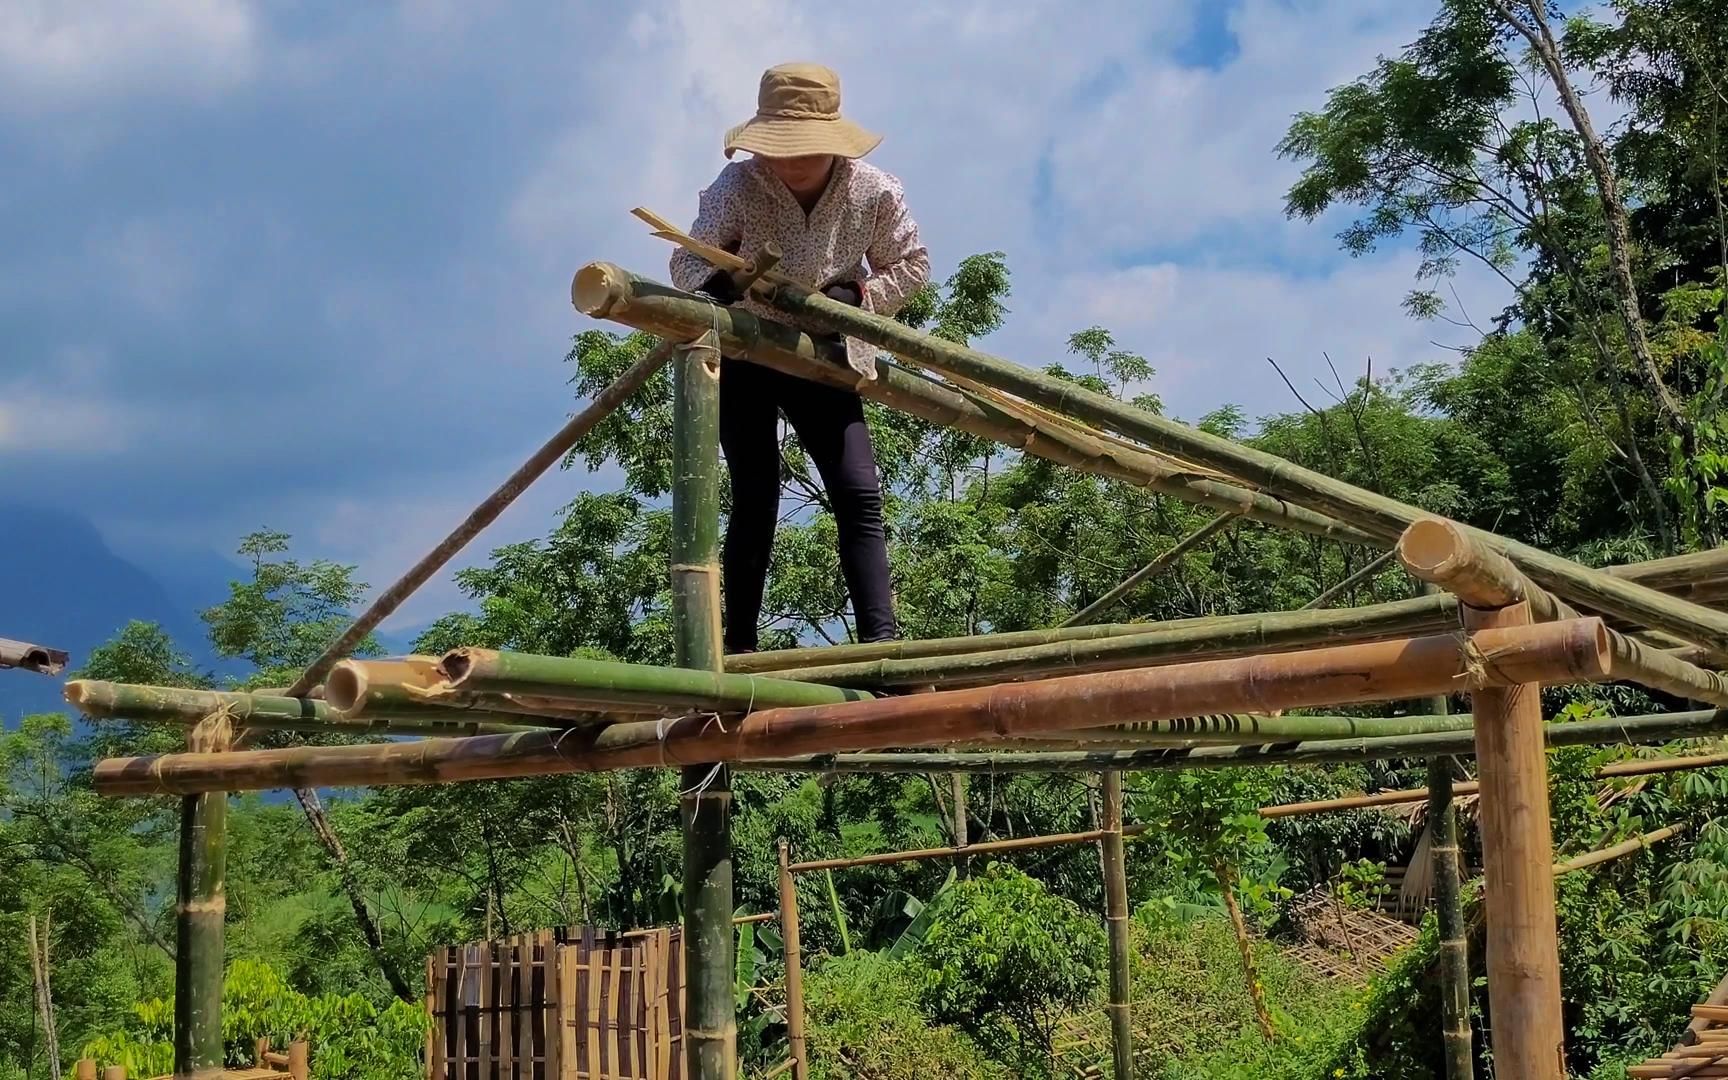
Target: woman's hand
{"x": 849, "y": 293}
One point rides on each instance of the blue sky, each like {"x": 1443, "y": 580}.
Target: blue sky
{"x": 306, "y": 265}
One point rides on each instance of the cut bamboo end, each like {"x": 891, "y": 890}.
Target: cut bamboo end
{"x": 596, "y": 287}
{"x": 1442, "y": 553}
{"x": 352, "y": 684}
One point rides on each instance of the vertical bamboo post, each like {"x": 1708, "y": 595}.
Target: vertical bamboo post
{"x": 85, "y": 1069}
{"x": 706, "y": 799}
{"x": 793, "y": 950}
{"x": 1517, "y": 863}
{"x": 200, "y": 910}
{"x": 1116, "y": 920}
{"x": 957, "y": 784}
{"x": 1449, "y": 908}
{"x": 299, "y": 1060}
{"x": 114, "y": 1072}
{"x": 1517, "y": 836}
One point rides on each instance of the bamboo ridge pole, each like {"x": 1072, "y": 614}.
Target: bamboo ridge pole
{"x": 1374, "y": 514}
{"x": 617, "y": 685}
{"x": 605, "y": 291}
{"x": 172, "y": 705}
{"x": 1379, "y": 671}
{"x": 553, "y": 450}
{"x": 1182, "y": 547}
{"x": 780, "y": 661}
{"x": 705, "y": 790}
{"x": 1629, "y": 730}
{"x": 1181, "y": 640}
{"x": 1636, "y": 767}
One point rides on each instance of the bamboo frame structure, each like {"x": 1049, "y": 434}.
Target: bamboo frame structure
{"x": 1164, "y": 689}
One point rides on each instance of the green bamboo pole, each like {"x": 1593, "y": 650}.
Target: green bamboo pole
{"x": 607, "y": 684}
{"x": 1116, "y": 920}
{"x": 1630, "y": 730}
{"x": 609, "y": 292}
{"x": 200, "y": 909}
{"x": 172, "y": 705}
{"x": 1361, "y": 575}
{"x": 1179, "y": 641}
{"x": 1449, "y": 910}
{"x": 1182, "y": 547}
{"x": 710, "y": 1026}
{"x": 1367, "y": 511}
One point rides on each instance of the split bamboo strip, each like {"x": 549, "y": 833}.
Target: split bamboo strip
{"x": 173, "y": 705}
{"x": 1380, "y": 671}
{"x": 793, "y": 952}
{"x": 1456, "y": 559}
{"x": 705, "y": 790}
{"x": 779, "y": 661}
{"x": 1626, "y": 730}
{"x": 1116, "y": 922}
{"x": 1207, "y": 637}
{"x": 1636, "y": 767}
{"x": 1637, "y": 843}
{"x": 201, "y": 906}
{"x": 551, "y": 452}
{"x": 1372, "y": 513}
{"x": 1165, "y": 559}
{"x": 605, "y": 683}
{"x": 605, "y": 291}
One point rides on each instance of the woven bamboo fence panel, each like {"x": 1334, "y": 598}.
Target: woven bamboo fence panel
{"x": 576, "y": 1003}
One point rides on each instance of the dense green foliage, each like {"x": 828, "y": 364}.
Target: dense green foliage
{"x": 1585, "y": 418}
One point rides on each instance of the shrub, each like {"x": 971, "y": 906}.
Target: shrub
{"x": 865, "y": 1024}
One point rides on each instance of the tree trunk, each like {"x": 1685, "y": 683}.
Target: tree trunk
{"x": 1226, "y": 875}
{"x": 320, "y": 822}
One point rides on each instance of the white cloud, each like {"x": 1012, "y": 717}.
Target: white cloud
{"x": 55, "y": 54}
{"x": 66, "y": 415}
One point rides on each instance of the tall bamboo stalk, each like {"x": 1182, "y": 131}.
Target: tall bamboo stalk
{"x": 1188, "y": 543}
{"x": 1554, "y": 652}
{"x": 200, "y": 910}
{"x": 793, "y": 952}
{"x": 1372, "y": 513}
{"x": 1116, "y": 921}
{"x": 606, "y": 291}
{"x": 1447, "y": 866}
{"x": 710, "y": 1032}
{"x": 42, "y": 973}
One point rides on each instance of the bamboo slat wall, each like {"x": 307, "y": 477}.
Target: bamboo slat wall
{"x": 575, "y": 1003}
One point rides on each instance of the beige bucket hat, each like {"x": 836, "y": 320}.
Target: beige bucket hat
{"x": 798, "y": 113}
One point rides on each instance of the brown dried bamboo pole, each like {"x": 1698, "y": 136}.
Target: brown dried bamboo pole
{"x": 1380, "y": 671}
{"x": 1116, "y": 921}
{"x": 1361, "y": 575}
{"x": 299, "y": 1060}
{"x": 1188, "y": 543}
{"x": 605, "y": 291}
{"x": 988, "y": 847}
{"x": 85, "y": 1069}
{"x": 1518, "y": 898}
{"x": 1372, "y": 513}
{"x": 550, "y": 452}
{"x": 1454, "y": 558}
{"x": 794, "y": 955}
{"x": 1602, "y": 855}
{"x": 1639, "y": 767}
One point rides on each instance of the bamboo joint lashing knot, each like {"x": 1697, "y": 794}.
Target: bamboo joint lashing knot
{"x": 1473, "y": 662}
{"x": 214, "y": 731}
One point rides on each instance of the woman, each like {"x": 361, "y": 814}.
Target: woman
{"x": 843, "y": 228}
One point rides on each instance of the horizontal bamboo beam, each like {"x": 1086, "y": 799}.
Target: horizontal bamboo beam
{"x": 1639, "y": 767}
{"x": 605, "y": 683}
{"x": 1368, "y": 511}
{"x": 989, "y": 847}
{"x": 174, "y": 705}
{"x": 1660, "y": 728}
{"x": 1238, "y": 729}
{"x": 780, "y": 661}
{"x": 605, "y": 291}
{"x": 1637, "y": 843}
{"x": 1211, "y": 637}
{"x": 1457, "y": 559}
{"x": 1381, "y": 671}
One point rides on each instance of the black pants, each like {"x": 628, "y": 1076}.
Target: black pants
{"x": 830, "y": 425}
